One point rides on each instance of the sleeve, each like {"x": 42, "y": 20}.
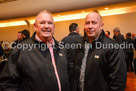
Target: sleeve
{"x": 135, "y": 44}
{"x": 9, "y": 78}
{"x": 117, "y": 71}
{"x": 1, "y": 51}
{"x": 121, "y": 39}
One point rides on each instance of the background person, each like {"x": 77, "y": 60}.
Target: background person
{"x": 25, "y": 34}
{"x": 107, "y": 33}
{"x": 1, "y": 51}
{"x": 71, "y": 39}
{"x": 118, "y": 36}
{"x": 129, "y": 52}
{"x": 134, "y": 38}
{"x": 19, "y": 39}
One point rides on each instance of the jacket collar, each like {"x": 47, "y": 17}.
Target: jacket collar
{"x": 73, "y": 33}
{"x": 56, "y": 45}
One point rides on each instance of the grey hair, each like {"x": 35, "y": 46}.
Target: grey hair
{"x": 44, "y": 11}
{"x": 116, "y": 29}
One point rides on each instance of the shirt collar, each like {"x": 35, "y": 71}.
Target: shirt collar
{"x": 49, "y": 43}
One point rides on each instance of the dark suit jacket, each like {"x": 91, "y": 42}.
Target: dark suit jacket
{"x": 120, "y": 38}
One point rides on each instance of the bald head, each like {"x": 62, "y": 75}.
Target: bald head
{"x": 94, "y": 14}
{"x": 43, "y": 12}
{"x": 93, "y": 25}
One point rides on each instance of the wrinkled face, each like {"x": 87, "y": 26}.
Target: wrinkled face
{"x": 93, "y": 25}
{"x": 44, "y": 26}
{"x": 19, "y": 36}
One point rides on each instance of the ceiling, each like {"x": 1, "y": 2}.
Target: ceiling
{"x": 27, "y": 8}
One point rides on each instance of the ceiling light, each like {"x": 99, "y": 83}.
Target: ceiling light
{"x": 71, "y": 16}
{"x": 16, "y": 23}
{"x": 58, "y": 15}
{"x": 106, "y": 8}
{"x": 83, "y": 11}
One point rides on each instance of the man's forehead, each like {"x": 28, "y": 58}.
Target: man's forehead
{"x": 43, "y": 16}
{"x": 93, "y": 15}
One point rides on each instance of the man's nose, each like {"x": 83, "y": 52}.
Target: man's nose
{"x": 90, "y": 25}
{"x": 46, "y": 25}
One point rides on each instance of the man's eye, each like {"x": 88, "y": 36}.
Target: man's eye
{"x": 50, "y": 23}
{"x": 42, "y": 22}
{"x": 87, "y": 23}
{"x": 94, "y": 22}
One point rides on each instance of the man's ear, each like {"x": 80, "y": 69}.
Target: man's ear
{"x": 34, "y": 26}
{"x": 102, "y": 24}
{"x": 54, "y": 26}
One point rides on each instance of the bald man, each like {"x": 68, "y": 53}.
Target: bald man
{"x": 98, "y": 68}
{"x": 40, "y": 65}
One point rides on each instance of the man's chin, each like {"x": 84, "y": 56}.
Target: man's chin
{"x": 47, "y": 36}
{"x": 91, "y": 35}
